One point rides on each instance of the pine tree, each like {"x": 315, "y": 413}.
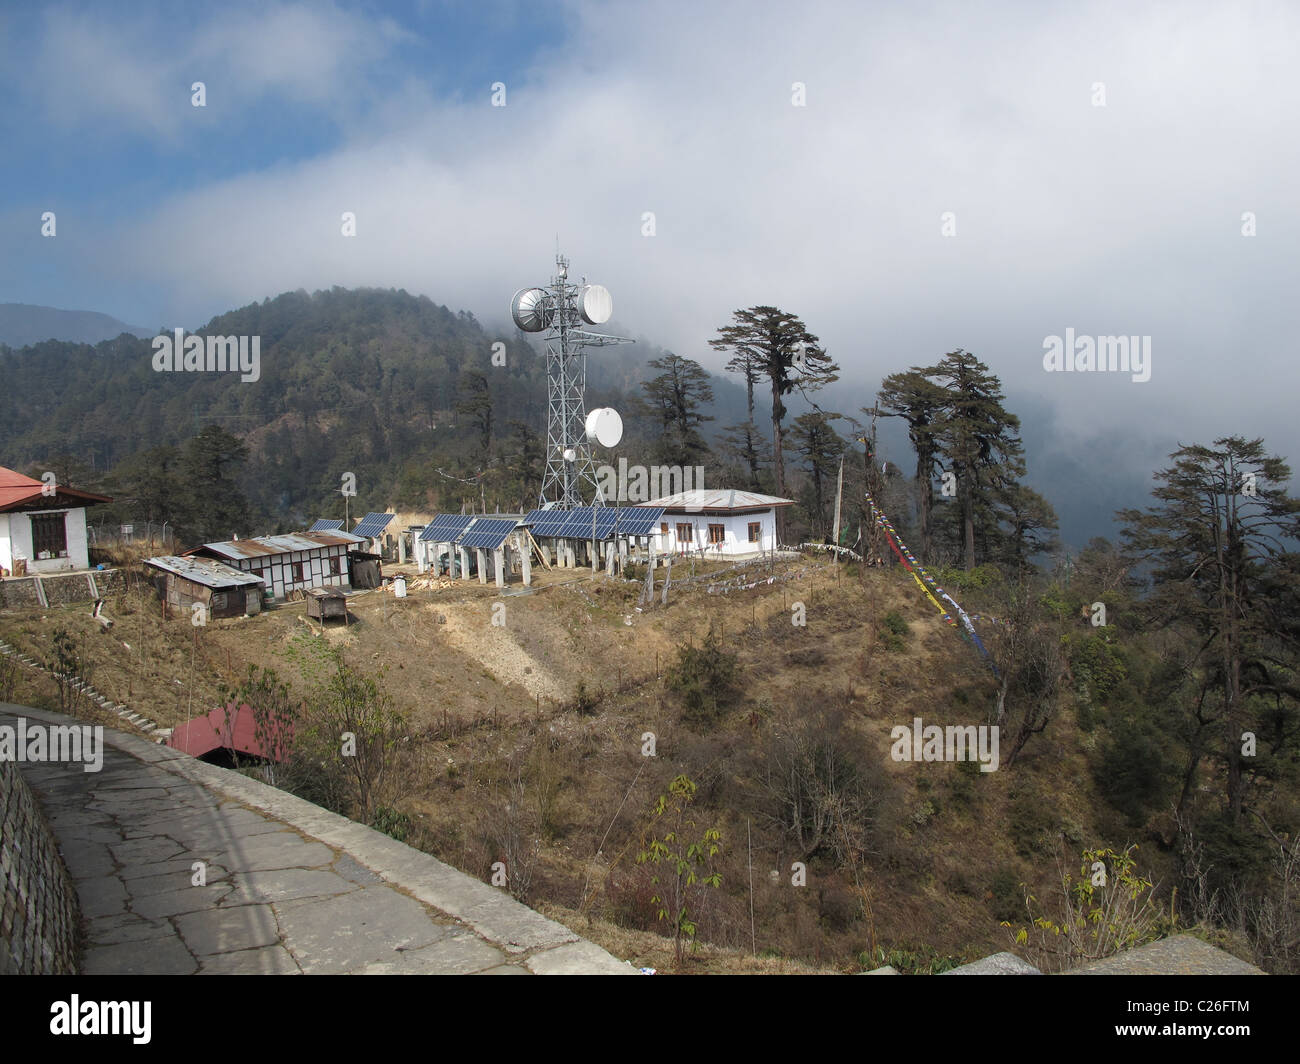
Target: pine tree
{"x": 920, "y": 402}
{"x": 1216, "y": 537}
{"x": 978, "y": 438}
{"x": 782, "y": 349}
{"x": 673, "y": 400}
{"x": 813, "y": 437}
{"x": 214, "y": 503}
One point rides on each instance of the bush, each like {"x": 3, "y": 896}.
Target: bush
{"x": 894, "y": 630}
{"x": 1006, "y": 898}
{"x": 894, "y": 622}
{"x": 391, "y": 823}
{"x": 704, "y": 677}
{"x": 585, "y": 702}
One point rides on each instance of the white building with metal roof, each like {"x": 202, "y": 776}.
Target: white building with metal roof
{"x": 292, "y": 562}
{"x": 717, "y": 522}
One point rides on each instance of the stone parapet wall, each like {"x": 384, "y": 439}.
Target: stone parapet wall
{"x": 39, "y": 917}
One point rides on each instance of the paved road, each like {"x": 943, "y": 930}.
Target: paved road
{"x": 183, "y": 868}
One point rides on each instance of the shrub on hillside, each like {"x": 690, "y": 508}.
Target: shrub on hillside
{"x": 704, "y": 678}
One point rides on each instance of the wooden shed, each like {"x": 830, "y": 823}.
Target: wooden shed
{"x": 366, "y": 569}
{"x": 224, "y": 592}
{"x": 325, "y": 603}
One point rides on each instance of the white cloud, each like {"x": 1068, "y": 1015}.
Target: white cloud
{"x": 1122, "y": 219}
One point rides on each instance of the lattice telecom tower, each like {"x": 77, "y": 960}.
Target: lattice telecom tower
{"x": 562, "y": 310}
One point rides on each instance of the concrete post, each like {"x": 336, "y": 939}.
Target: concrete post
{"x": 499, "y": 562}
{"x": 481, "y": 557}
{"x": 526, "y": 565}
{"x": 464, "y": 563}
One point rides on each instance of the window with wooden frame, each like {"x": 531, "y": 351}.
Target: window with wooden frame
{"x": 49, "y": 535}
{"x": 755, "y": 531}
{"x": 335, "y": 570}
{"x": 297, "y": 572}
{"x": 717, "y": 534}
{"x": 685, "y": 534}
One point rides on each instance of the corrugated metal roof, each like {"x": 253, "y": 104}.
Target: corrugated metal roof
{"x": 203, "y": 571}
{"x": 263, "y": 546}
{"x": 719, "y": 499}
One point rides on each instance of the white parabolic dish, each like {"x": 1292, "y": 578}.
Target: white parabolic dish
{"x": 531, "y": 309}
{"x": 605, "y": 425}
{"x": 595, "y": 304}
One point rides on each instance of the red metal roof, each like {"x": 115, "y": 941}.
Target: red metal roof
{"x": 205, "y": 734}
{"x": 16, "y": 489}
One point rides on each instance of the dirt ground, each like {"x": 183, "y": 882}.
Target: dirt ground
{"x": 486, "y": 678}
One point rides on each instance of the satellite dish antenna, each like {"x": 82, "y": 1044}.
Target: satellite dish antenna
{"x": 532, "y": 309}
{"x": 605, "y": 426}
{"x": 595, "y": 304}
{"x": 570, "y": 454}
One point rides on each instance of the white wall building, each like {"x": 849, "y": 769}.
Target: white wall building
{"x": 723, "y": 522}
{"x": 43, "y": 526}
{"x": 293, "y": 562}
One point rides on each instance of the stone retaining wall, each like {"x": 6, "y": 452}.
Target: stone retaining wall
{"x": 38, "y": 921}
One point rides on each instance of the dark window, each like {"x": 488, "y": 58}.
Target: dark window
{"x": 686, "y": 533}
{"x": 717, "y": 533}
{"x": 755, "y": 531}
{"x": 49, "y": 535}
{"x": 297, "y": 572}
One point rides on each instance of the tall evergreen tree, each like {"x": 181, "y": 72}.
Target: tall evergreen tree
{"x": 475, "y": 401}
{"x": 977, "y": 436}
{"x": 813, "y": 438}
{"x": 745, "y": 442}
{"x": 674, "y": 399}
{"x": 920, "y": 402}
{"x": 1216, "y": 536}
{"x": 215, "y": 504}
{"x": 786, "y": 353}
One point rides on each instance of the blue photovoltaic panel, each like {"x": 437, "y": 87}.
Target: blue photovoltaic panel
{"x": 533, "y": 516}
{"x": 372, "y": 525}
{"x": 549, "y": 522}
{"x": 578, "y": 525}
{"x": 326, "y": 525}
{"x": 639, "y": 520}
{"x": 606, "y": 518}
{"x": 488, "y": 533}
{"x": 444, "y": 528}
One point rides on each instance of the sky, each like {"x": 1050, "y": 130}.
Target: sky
{"x": 908, "y": 178}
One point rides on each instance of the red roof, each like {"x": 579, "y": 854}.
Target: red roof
{"x": 16, "y": 489}
{"x": 205, "y": 734}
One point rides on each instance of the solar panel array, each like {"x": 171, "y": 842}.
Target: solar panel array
{"x": 638, "y": 520}
{"x": 610, "y": 521}
{"x": 488, "y": 533}
{"x": 372, "y": 525}
{"x": 446, "y": 528}
{"x": 326, "y": 525}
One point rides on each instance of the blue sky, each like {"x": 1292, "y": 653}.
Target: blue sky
{"x": 1099, "y": 160}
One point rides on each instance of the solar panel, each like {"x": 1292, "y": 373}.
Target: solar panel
{"x": 606, "y": 519}
{"x": 549, "y": 522}
{"x": 639, "y": 520}
{"x": 578, "y": 524}
{"x": 372, "y": 525}
{"x": 533, "y": 516}
{"x": 326, "y": 525}
{"x": 488, "y": 533}
{"x": 444, "y": 528}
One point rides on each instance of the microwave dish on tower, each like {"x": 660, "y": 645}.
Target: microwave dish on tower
{"x": 562, "y": 310}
